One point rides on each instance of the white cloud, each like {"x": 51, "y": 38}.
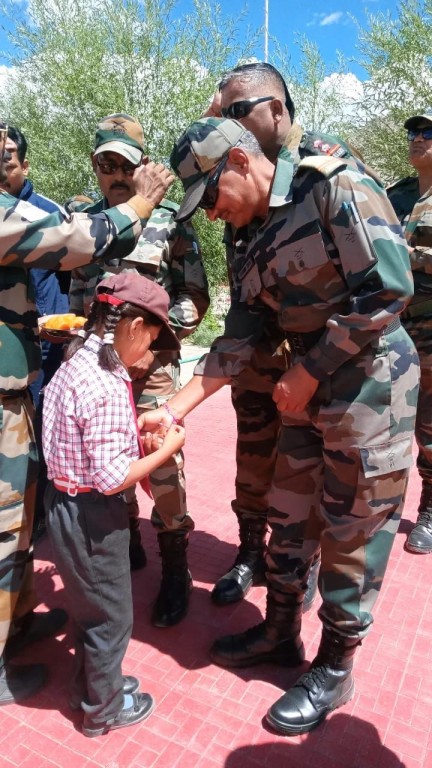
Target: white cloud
{"x": 5, "y": 74}
{"x": 331, "y": 18}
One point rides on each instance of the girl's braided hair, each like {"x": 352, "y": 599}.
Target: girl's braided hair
{"x": 105, "y": 317}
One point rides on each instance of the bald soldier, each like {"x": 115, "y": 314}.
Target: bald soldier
{"x": 326, "y": 255}
{"x": 29, "y": 237}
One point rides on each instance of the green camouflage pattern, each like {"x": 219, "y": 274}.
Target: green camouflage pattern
{"x": 330, "y": 259}
{"x": 415, "y": 214}
{"x": 168, "y": 253}
{"x": 258, "y": 420}
{"x": 120, "y": 133}
{"x": 32, "y": 238}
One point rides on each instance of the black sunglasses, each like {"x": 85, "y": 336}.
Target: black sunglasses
{"x": 108, "y": 168}
{"x": 425, "y": 132}
{"x": 239, "y": 109}
{"x": 210, "y": 196}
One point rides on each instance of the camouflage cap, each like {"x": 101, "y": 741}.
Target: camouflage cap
{"x": 202, "y": 146}
{"x": 120, "y": 133}
{"x": 412, "y": 122}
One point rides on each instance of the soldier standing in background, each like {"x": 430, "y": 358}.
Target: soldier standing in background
{"x": 169, "y": 254}
{"x": 330, "y": 261}
{"x": 412, "y": 201}
{"x": 257, "y": 96}
{"x": 29, "y": 237}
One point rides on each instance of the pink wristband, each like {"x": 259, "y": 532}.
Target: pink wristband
{"x": 175, "y": 420}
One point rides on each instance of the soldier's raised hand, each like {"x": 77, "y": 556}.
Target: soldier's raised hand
{"x": 152, "y": 180}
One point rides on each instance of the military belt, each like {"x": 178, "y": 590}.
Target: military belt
{"x": 301, "y": 343}
{"x": 422, "y": 309}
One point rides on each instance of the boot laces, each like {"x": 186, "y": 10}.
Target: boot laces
{"x": 313, "y": 679}
{"x": 425, "y": 518}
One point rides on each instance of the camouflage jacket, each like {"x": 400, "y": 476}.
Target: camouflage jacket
{"x": 299, "y": 144}
{"x": 166, "y": 252}
{"x": 329, "y": 257}
{"x": 29, "y": 237}
{"x": 415, "y": 215}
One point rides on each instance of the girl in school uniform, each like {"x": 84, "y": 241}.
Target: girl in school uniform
{"x": 93, "y": 452}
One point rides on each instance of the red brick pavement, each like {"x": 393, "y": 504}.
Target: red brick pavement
{"x": 207, "y": 717}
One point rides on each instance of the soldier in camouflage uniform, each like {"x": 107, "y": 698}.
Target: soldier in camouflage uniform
{"x": 412, "y": 201}
{"x": 29, "y": 237}
{"x": 257, "y": 95}
{"x": 169, "y": 254}
{"x": 330, "y": 261}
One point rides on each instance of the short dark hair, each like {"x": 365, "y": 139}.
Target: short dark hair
{"x": 15, "y": 135}
{"x": 261, "y": 71}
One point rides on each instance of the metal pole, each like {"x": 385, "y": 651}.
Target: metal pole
{"x": 266, "y": 30}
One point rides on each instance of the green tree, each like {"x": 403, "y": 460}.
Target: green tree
{"x": 397, "y": 55}
{"x": 76, "y": 62}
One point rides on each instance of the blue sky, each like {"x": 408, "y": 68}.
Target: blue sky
{"x": 325, "y": 22}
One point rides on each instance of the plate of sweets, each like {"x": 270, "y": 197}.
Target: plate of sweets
{"x": 60, "y": 328}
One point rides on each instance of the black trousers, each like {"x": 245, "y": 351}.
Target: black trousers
{"x": 89, "y": 534}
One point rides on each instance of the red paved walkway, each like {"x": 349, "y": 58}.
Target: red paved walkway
{"x": 207, "y": 717}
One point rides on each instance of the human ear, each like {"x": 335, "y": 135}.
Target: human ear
{"x": 25, "y": 167}
{"x": 277, "y": 109}
{"x": 238, "y": 157}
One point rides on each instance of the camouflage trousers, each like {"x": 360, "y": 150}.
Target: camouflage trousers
{"x": 167, "y": 483}
{"x": 18, "y": 475}
{"x": 340, "y": 482}
{"x": 420, "y": 331}
{"x": 258, "y": 424}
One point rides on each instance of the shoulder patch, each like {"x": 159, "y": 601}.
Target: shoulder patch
{"x": 324, "y": 164}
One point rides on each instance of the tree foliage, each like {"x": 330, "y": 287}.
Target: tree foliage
{"x": 397, "y": 55}
{"x": 76, "y": 62}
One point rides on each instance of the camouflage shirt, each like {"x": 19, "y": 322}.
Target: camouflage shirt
{"x": 330, "y": 257}
{"x": 32, "y": 238}
{"x": 255, "y": 321}
{"x": 415, "y": 215}
{"x": 166, "y": 252}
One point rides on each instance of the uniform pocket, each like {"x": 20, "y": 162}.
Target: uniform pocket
{"x": 386, "y": 458}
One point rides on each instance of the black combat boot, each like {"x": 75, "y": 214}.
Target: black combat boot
{"x": 326, "y": 686}
{"x": 312, "y": 584}
{"x": 420, "y": 538}
{"x": 137, "y": 555}
{"x": 277, "y": 639}
{"x": 248, "y": 567}
{"x": 172, "y": 601}
{"x": 20, "y": 682}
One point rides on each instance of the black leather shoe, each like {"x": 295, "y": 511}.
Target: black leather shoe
{"x": 34, "y": 627}
{"x": 420, "y": 539}
{"x": 235, "y": 585}
{"x": 258, "y": 645}
{"x": 130, "y": 685}
{"x": 315, "y": 694}
{"x": 143, "y": 705}
{"x": 19, "y": 683}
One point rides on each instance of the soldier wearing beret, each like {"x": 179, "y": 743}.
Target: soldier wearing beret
{"x": 412, "y": 200}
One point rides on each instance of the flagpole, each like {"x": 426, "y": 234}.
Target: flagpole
{"x": 265, "y": 30}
